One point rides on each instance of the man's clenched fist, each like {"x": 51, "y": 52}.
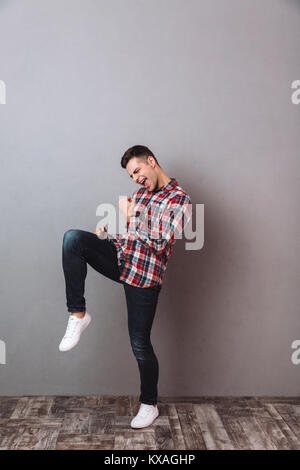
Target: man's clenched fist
{"x": 126, "y": 206}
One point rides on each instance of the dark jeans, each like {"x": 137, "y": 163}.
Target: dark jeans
{"x": 81, "y": 247}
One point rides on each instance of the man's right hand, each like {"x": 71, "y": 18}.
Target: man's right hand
{"x": 126, "y": 206}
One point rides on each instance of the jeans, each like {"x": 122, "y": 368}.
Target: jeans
{"x": 81, "y": 247}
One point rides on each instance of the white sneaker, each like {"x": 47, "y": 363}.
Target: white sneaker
{"x": 146, "y": 415}
{"x": 74, "y": 329}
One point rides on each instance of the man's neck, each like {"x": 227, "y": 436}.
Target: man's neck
{"x": 163, "y": 179}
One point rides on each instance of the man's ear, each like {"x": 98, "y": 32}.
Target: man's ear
{"x": 151, "y": 161}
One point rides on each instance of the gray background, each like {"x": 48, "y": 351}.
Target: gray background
{"x": 207, "y": 86}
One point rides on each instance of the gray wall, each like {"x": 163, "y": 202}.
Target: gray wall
{"x": 207, "y": 86}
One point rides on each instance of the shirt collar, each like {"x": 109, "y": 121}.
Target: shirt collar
{"x": 168, "y": 186}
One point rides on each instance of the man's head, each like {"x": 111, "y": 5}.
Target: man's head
{"x": 142, "y": 166}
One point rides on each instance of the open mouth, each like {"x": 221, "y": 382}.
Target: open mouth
{"x": 143, "y": 181}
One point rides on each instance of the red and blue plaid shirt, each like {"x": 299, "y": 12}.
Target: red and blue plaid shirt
{"x": 157, "y": 221}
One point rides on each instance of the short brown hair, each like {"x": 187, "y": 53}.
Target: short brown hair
{"x": 139, "y": 151}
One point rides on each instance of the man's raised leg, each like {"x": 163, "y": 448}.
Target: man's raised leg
{"x": 79, "y": 249}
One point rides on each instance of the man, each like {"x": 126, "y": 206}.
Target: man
{"x": 137, "y": 259}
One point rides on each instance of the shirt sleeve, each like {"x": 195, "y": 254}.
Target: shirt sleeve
{"x": 116, "y": 236}
{"x": 163, "y": 225}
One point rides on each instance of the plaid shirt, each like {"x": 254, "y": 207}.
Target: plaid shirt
{"x": 157, "y": 221}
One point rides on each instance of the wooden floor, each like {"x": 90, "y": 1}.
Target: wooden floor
{"x": 103, "y": 422}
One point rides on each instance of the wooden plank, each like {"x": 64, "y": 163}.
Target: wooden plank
{"x": 289, "y": 414}
{"x": 285, "y": 429}
{"x": 29, "y": 433}
{"x": 236, "y": 433}
{"x": 190, "y": 429}
{"x": 163, "y": 409}
{"x": 231, "y": 411}
{"x": 63, "y": 404}
{"x": 29, "y": 407}
{"x": 7, "y": 406}
{"x": 175, "y": 427}
{"x": 75, "y": 423}
{"x": 85, "y": 442}
{"x": 34, "y": 438}
{"x": 122, "y": 423}
{"x": 214, "y": 434}
{"x": 258, "y": 439}
{"x": 21, "y": 408}
{"x": 274, "y": 433}
{"x": 102, "y": 422}
{"x": 123, "y": 405}
{"x": 47, "y": 439}
{"x": 34, "y": 422}
{"x": 109, "y": 400}
{"x": 134, "y": 405}
{"x": 130, "y": 440}
{"x": 283, "y": 400}
{"x": 241, "y": 408}
{"x": 163, "y": 437}
{"x": 10, "y": 437}
{"x": 208, "y": 400}
{"x": 150, "y": 440}
{"x": 92, "y": 400}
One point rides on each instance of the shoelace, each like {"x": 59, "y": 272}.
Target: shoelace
{"x": 73, "y": 321}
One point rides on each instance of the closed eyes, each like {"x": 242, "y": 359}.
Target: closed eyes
{"x": 135, "y": 171}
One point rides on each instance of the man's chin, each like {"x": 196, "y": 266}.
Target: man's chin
{"x": 149, "y": 187}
